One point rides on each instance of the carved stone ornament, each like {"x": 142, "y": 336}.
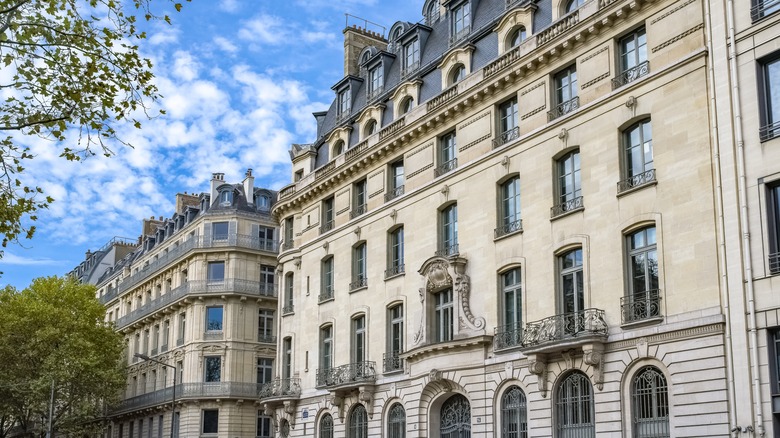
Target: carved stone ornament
{"x": 438, "y": 277}
{"x": 641, "y": 347}
{"x": 436, "y": 377}
{"x": 537, "y": 364}
{"x": 593, "y": 355}
{"x": 337, "y": 401}
{"x": 366, "y": 397}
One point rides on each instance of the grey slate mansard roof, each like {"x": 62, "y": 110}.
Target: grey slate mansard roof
{"x": 485, "y": 17}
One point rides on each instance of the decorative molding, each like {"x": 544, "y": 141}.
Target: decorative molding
{"x": 671, "y": 11}
{"x": 535, "y": 111}
{"x": 475, "y": 142}
{"x": 678, "y": 37}
{"x": 474, "y": 119}
{"x": 537, "y": 364}
{"x": 595, "y": 80}
{"x": 601, "y": 50}
{"x": 676, "y": 335}
{"x": 593, "y": 355}
{"x": 420, "y": 170}
{"x": 532, "y": 87}
{"x": 342, "y": 211}
{"x": 419, "y": 149}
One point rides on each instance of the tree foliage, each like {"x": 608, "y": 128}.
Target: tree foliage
{"x": 70, "y": 71}
{"x": 54, "y": 331}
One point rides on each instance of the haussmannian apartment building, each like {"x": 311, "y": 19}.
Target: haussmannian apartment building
{"x": 196, "y": 292}
{"x": 538, "y": 218}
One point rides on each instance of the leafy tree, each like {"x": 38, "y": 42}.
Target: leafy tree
{"x": 53, "y": 332}
{"x": 69, "y": 71}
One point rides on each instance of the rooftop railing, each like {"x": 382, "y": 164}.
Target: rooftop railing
{"x": 558, "y": 28}
{"x": 442, "y": 99}
{"x": 345, "y": 374}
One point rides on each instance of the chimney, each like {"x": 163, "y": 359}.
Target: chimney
{"x": 217, "y": 179}
{"x": 355, "y": 40}
{"x": 249, "y": 187}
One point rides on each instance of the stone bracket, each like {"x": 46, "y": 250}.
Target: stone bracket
{"x": 537, "y": 364}
{"x": 593, "y": 355}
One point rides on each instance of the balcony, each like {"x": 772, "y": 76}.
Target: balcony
{"x": 392, "y": 362}
{"x": 564, "y": 331}
{"x": 326, "y": 294}
{"x": 558, "y": 28}
{"x": 327, "y": 226}
{"x": 763, "y": 8}
{"x": 394, "y": 193}
{"x": 353, "y": 374}
{"x": 198, "y": 390}
{"x": 288, "y": 309}
{"x": 569, "y": 206}
{"x": 508, "y": 228}
{"x": 774, "y": 263}
{"x": 769, "y": 131}
{"x": 445, "y": 167}
{"x": 448, "y": 251}
{"x": 641, "y": 306}
{"x": 281, "y": 388}
{"x": 394, "y": 270}
{"x": 213, "y": 335}
{"x": 506, "y": 137}
{"x": 631, "y": 75}
{"x": 180, "y": 342}
{"x": 358, "y": 211}
{"x": 564, "y": 108}
{"x": 358, "y": 283}
{"x": 266, "y": 338}
{"x": 636, "y": 181}
{"x": 508, "y": 336}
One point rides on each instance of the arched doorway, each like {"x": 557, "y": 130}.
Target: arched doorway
{"x": 456, "y": 418}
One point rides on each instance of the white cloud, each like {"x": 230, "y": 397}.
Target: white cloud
{"x": 10, "y": 258}
{"x": 225, "y": 44}
{"x": 228, "y": 5}
{"x": 264, "y": 29}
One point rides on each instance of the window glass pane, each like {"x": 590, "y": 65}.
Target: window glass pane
{"x": 772, "y": 74}
{"x": 219, "y": 230}
{"x": 214, "y": 318}
{"x": 211, "y": 421}
{"x": 213, "y": 372}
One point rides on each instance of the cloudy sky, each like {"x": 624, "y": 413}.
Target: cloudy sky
{"x": 240, "y": 79}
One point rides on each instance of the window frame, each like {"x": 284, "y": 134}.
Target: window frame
{"x": 325, "y": 430}
{"x": 212, "y": 369}
{"x": 461, "y": 21}
{"x": 327, "y": 277}
{"x": 772, "y": 193}
{"x": 289, "y": 287}
{"x": 443, "y": 319}
{"x": 568, "y": 184}
{"x": 411, "y": 56}
{"x": 395, "y": 252}
{"x": 209, "y": 327}
{"x": 396, "y": 421}
{"x": 565, "y": 98}
{"x": 265, "y": 325}
{"x": 637, "y": 168}
{"x": 265, "y": 370}
{"x": 447, "y": 153}
{"x": 509, "y": 207}
{"x": 658, "y": 397}
{"x": 359, "y": 266}
{"x": 448, "y": 230}
{"x": 214, "y": 273}
{"x": 359, "y": 198}
{"x": 204, "y": 422}
{"x": 326, "y": 347}
{"x": 582, "y": 402}
{"x": 577, "y": 273}
{"x": 396, "y": 179}
{"x": 358, "y": 422}
{"x": 266, "y": 430}
{"x": 514, "y": 406}
{"x": 358, "y": 344}
{"x": 769, "y": 125}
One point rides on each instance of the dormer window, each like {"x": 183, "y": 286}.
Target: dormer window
{"x": 407, "y": 105}
{"x": 573, "y": 5}
{"x": 518, "y": 36}
{"x": 375, "y": 81}
{"x": 461, "y": 21}
{"x": 432, "y": 13}
{"x": 226, "y": 198}
{"x": 370, "y": 128}
{"x": 458, "y": 73}
{"x": 411, "y": 57}
{"x": 263, "y": 202}
{"x": 344, "y": 103}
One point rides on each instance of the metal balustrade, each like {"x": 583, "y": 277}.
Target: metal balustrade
{"x": 394, "y": 270}
{"x": 214, "y": 335}
{"x": 327, "y": 226}
{"x": 588, "y": 322}
{"x": 266, "y": 339}
{"x": 445, "y": 167}
{"x": 769, "y": 131}
{"x": 287, "y": 309}
{"x": 763, "y": 8}
{"x": 508, "y": 228}
{"x": 447, "y": 251}
{"x": 774, "y": 263}
{"x": 358, "y": 283}
{"x": 563, "y": 108}
{"x": 394, "y": 193}
{"x": 345, "y": 374}
{"x": 631, "y": 75}
{"x": 281, "y": 388}
{"x": 189, "y": 391}
{"x": 508, "y": 336}
{"x": 358, "y": 210}
{"x": 565, "y": 207}
{"x": 392, "y": 362}
{"x": 506, "y": 136}
{"x": 637, "y": 180}
{"x": 640, "y": 306}
{"x": 326, "y": 294}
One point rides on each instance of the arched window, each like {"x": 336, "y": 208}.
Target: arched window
{"x": 366, "y": 57}
{"x": 514, "y": 417}
{"x": 518, "y": 36}
{"x": 573, "y": 5}
{"x": 574, "y": 407}
{"x": 284, "y": 428}
{"x": 226, "y": 197}
{"x": 263, "y": 202}
{"x": 358, "y": 423}
{"x": 370, "y": 128}
{"x": 406, "y": 105}
{"x": 396, "y": 422}
{"x": 456, "y": 418}
{"x": 326, "y": 426}
{"x": 458, "y": 73}
{"x": 338, "y": 149}
{"x": 650, "y": 404}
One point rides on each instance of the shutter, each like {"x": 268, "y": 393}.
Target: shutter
{"x": 255, "y": 236}
{"x": 207, "y": 234}
{"x": 232, "y": 231}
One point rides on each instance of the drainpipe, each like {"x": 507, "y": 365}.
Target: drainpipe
{"x": 743, "y": 218}
{"x": 723, "y": 266}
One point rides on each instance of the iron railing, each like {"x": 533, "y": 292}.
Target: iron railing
{"x": 394, "y": 270}
{"x": 508, "y": 336}
{"x": 213, "y": 335}
{"x": 410, "y": 69}
{"x": 508, "y": 228}
{"x": 288, "y": 308}
{"x": 189, "y": 391}
{"x": 588, "y": 322}
{"x": 565, "y": 207}
{"x": 180, "y": 342}
{"x": 447, "y": 251}
{"x": 762, "y": 8}
{"x": 637, "y": 180}
{"x": 461, "y": 34}
{"x": 392, "y": 362}
{"x": 640, "y": 306}
{"x": 290, "y": 387}
{"x": 394, "y": 193}
{"x": 769, "y": 131}
{"x": 358, "y": 283}
{"x": 774, "y": 263}
{"x": 358, "y": 210}
{"x": 264, "y": 338}
{"x": 506, "y": 136}
{"x": 200, "y": 287}
{"x": 445, "y": 167}
{"x": 327, "y": 226}
{"x": 350, "y": 373}
{"x": 563, "y": 108}
{"x": 631, "y": 74}
{"x": 326, "y": 294}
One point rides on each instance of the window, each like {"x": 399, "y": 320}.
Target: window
{"x": 264, "y": 429}
{"x": 569, "y": 184}
{"x": 395, "y": 252}
{"x": 166, "y": 333}
{"x": 210, "y": 421}
{"x": 411, "y": 56}
{"x": 212, "y": 369}
{"x": 458, "y": 74}
{"x": 643, "y": 300}
{"x": 150, "y": 433}
{"x": 396, "y": 188}
{"x": 160, "y": 420}
{"x": 326, "y": 426}
{"x": 375, "y": 81}
{"x": 507, "y": 122}
{"x": 769, "y": 94}
{"x": 359, "y": 267}
{"x": 359, "y": 339}
{"x": 650, "y": 404}
{"x": 267, "y": 277}
{"x": 287, "y": 358}
{"x": 572, "y": 296}
{"x": 763, "y": 8}
{"x": 517, "y": 36}
{"x": 327, "y": 215}
{"x": 344, "y": 103}
{"x": 573, "y": 5}
{"x": 633, "y": 58}
{"x": 565, "y": 99}
{"x": 638, "y": 156}
{"x": 288, "y": 293}
{"x": 265, "y": 326}
{"x": 266, "y": 236}
{"x": 263, "y": 202}
{"x": 448, "y": 236}
{"x": 358, "y": 422}
{"x": 216, "y": 272}
{"x": 461, "y": 21}
{"x": 509, "y": 208}
{"x": 395, "y": 338}
{"x": 396, "y": 422}
{"x": 146, "y": 341}
{"x": 359, "y": 198}
{"x": 214, "y": 319}
{"x": 176, "y": 423}
{"x": 288, "y": 232}
{"x": 406, "y": 105}
{"x": 773, "y": 223}
{"x": 514, "y": 417}
{"x": 447, "y": 154}
{"x": 455, "y": 417}
{"x": 265, "y": 370}
{"x": 338, "y": 149}
{"x": 226, "y": 197}
{"x": 326, "y": 291}
{"x": 511, "y": 287}
{"x": 370, "y": 128}
{"x": 219, "y": 231}
{"x": 443, "y": 316}
{"x": 326, "y": 353}
{"x": 432, "y": 14}
{"x": 574, "y": 407}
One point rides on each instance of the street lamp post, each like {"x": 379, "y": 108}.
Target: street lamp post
{"x": 173, "y": 402}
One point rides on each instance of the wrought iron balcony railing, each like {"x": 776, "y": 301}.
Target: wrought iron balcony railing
{"x": 264, "y": 338}
{"x": 506, "y": 136}
{"x": 774, "y": 263}
{"x": 588, "y": 322}
{"x": 357, "y": 372}
{"x": 189, "y": 391}
{"x": 563, "y": 108}
{"x": 394, "y": 193}
{"x": 213, "y": 335}
{"x": 640, "y": 306}
{"x": 281, "y": 388}
{"x": 448, "y": 250}
{"x": 327, "y": 226}
{"x": 358, "y": 210}
{"x": 326, "y": 294}
{"x": 507, "y": 228}
{"x": 394, "y": 270}
{"x": 762, "y": 8}
{"x": 358, "y": 283}
{"x": 392, "y": 361}
{"x": 769, "y": 131}
{"x": 459, "y": 35}
{"x": 637, "y": 180}
{"x": 287, "y": 309}
{"x": 565, "y": 207}
{"x": 410, "y": 69}
{"x": 288, "y": 245}
{"x": 631, "y": 74}
{"x": 508, "y": 336}
{"x": 445, "y": 167}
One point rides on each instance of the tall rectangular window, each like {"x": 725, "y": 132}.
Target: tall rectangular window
{"x": 212, "y": 366}
{"x": 326, "y": 291}
{"x": 443, "y": 315}
{"x": 160, "y": 426}
{"x": 265, "y": 370}
{"x": 412, "y": 56}
{"x": 326, "y": 347}
{"x": 344, "y": 102}
{"x": 156, "y": 339}
{"x": 395, "y": 252}
{"x": 288, "y": 232}
{"x": 375, "y": 81}
{"x": 513, "y": 298}
{"x": 166, "y": 335}
{"x": 182, "y": 328}
{"x": 569, "y": 184}
{"x": 638, "y": 156}
{"x": 359, "y": 198}
{"x": 572, "y": 295}
{"x": 216, "y": 272}
{"x": 565, "y": 92}
{"x": 210, "y": 421}
{"x": 461, "y": 21}
{"x": 770, "y": 96}
{"x": 214, "y": 318}
{"x": 327, "y": 214}
{"x": 287, "y": 358}
{"x": 773, "y": 224}
{"x": 288, "y": 293}
{"x": 265, "y": 326}
{"x": 448, "y": 234}
{"x": 264, "y": 429}
{"x": 395, "y": 338}
{"x": 447, "y": 154}
{"x": 359, "y": 339}
{"x": 267, "y": 277}
{"x": 359, "y": 266}
{"x": 509, "y": 207}
{"x": 265, "y": 236}
{"x": 219, "y": 231}
{"x": 633, "y": 58}
{"x": 396, "y": 188}
{"x": 146, "y": 341}
{"x": 643, "y": 296}
{"x": 508, "y": 128}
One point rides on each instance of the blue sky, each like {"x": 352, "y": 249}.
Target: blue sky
{"x": 240, "y": 79}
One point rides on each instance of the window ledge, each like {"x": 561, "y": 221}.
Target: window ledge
{"x": 637, "y": 188}
{"x": 358, "y": 289}
{"x": 395, "y": 371}
{"x": 567, "y": 213}
{"x": 642, "y": 322}
{"x": 288, "y": 313}
{"x": 504, "y": 236}
{"x": 400, "y": 274}
{"x": 326, "y": 300}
